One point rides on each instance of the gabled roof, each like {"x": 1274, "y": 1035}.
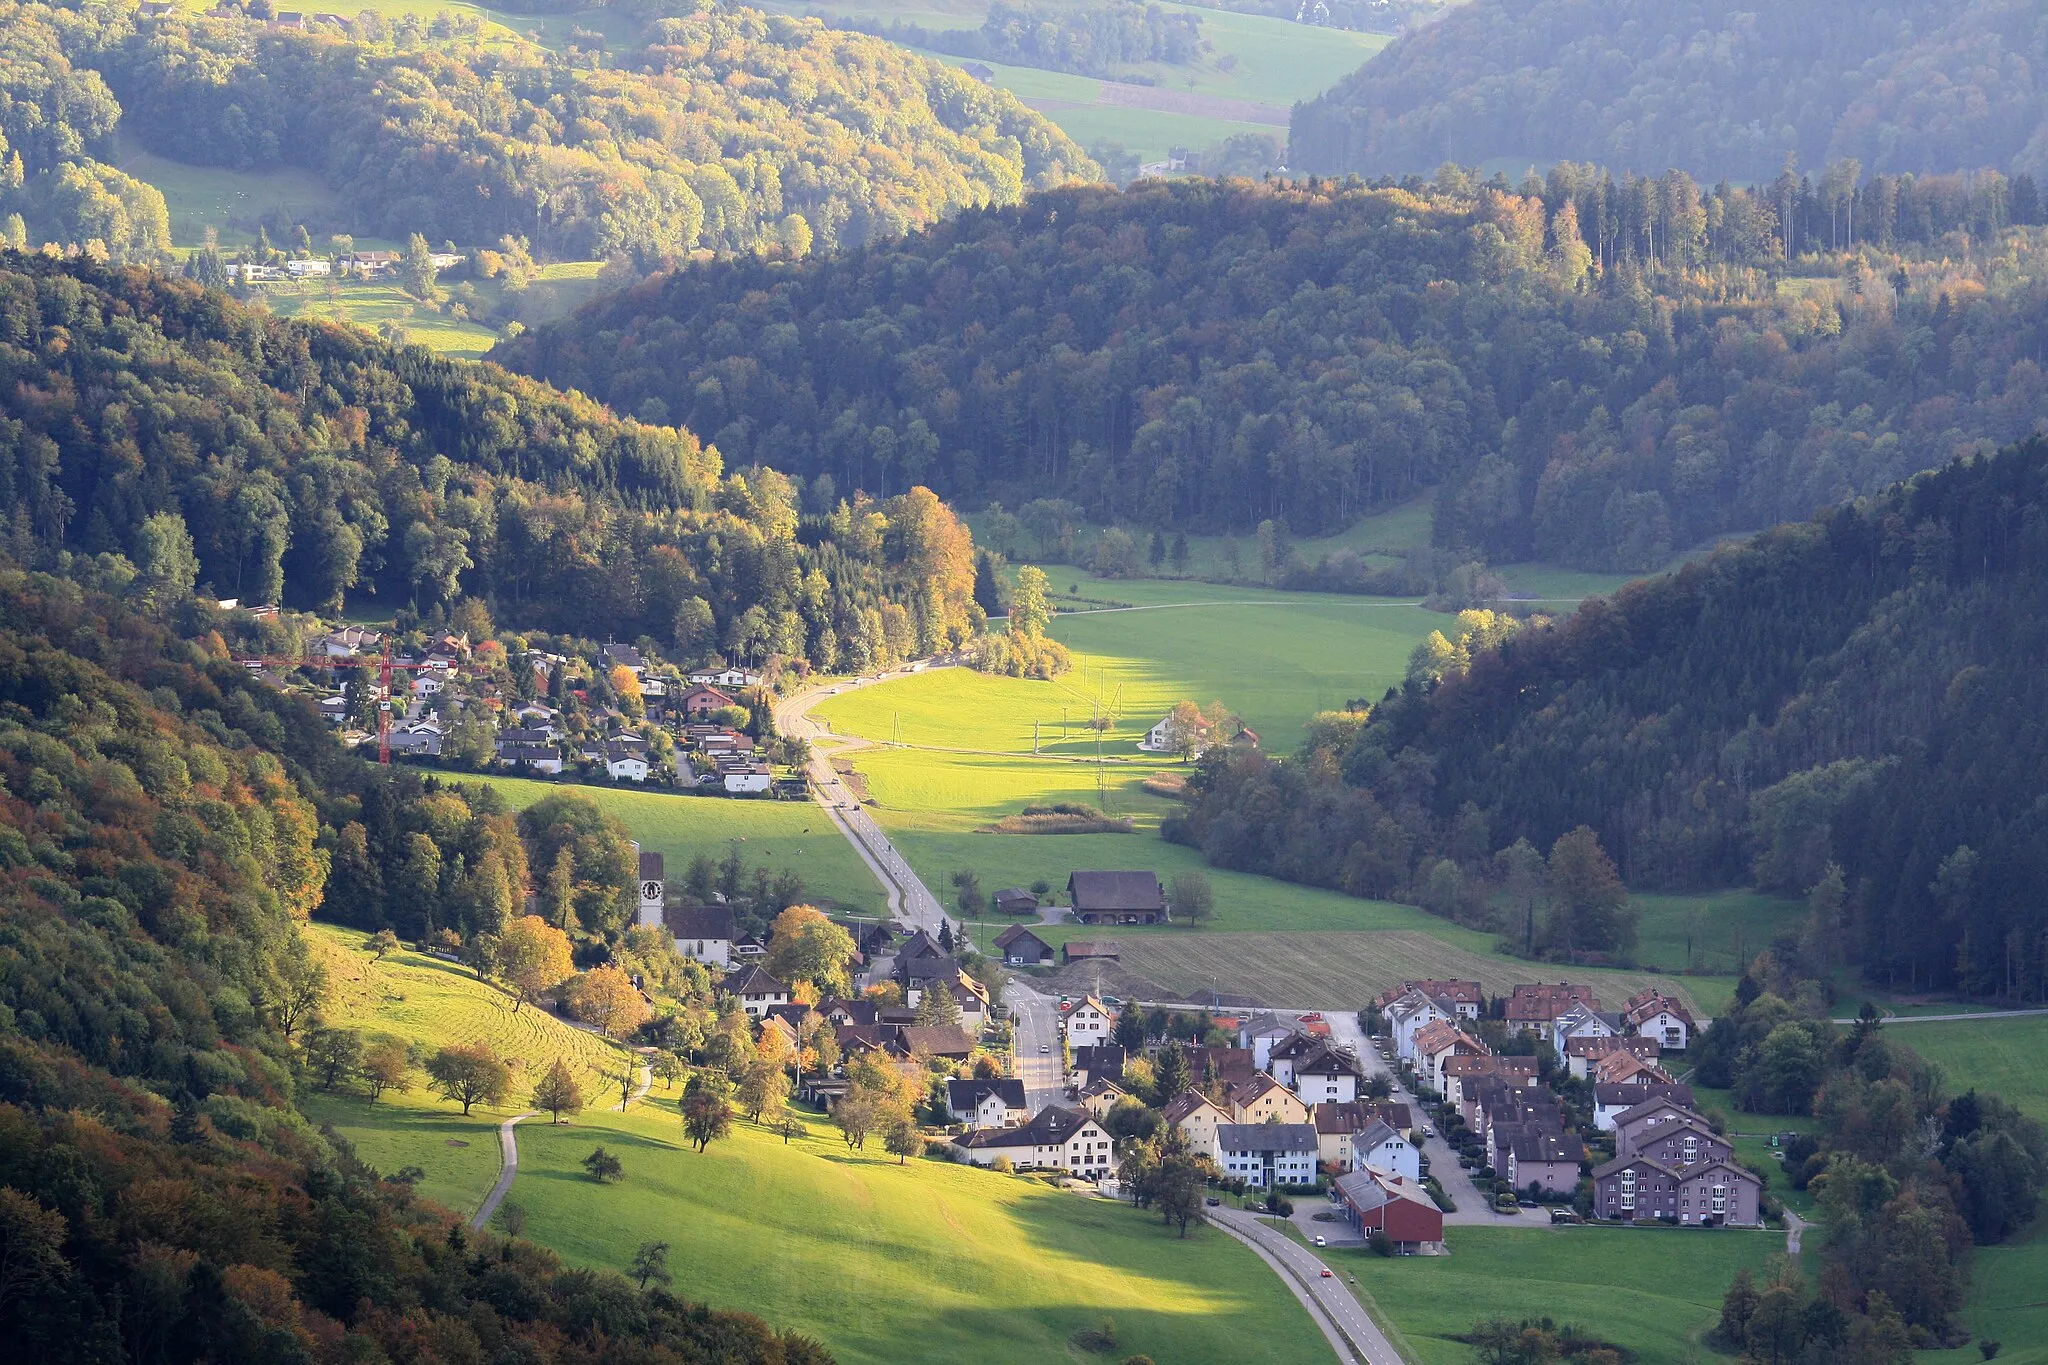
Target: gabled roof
{"x": 1373, "y": 1134}
{"x": 1116, "y": 891}
{"x": 1260, "y": 1025}
{"x": 1635, "y": 1094}
{"x": 1017, "y": 933}
{"x": 753, "y": 981}
{"x": 1266, "y": 1137}
{"x": 1697, "y": 1169}
{"x": 1592, "y": 1049}
{"x": 1456, "y": 992}
{"x": 940, "y": 1040}
{"x": 1101, "y": 1086}
{"x": 1100, "y": 1059}
{"x": 1052, "y": 1126}
{"x": 698, "y": 921}
{"x": 1327, "y": 1061}
{"x": 1542, "y": 1003}
{"x": 1186, "y": 1103}
{"x": 968, "y": 1094}
{"x": 1647, "y": 1004}
{"x": 1535, "y": 1142}
{"x": 1247, "y": 1092}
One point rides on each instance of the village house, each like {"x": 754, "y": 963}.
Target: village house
{"x": 702, "y": 699}
{"x": 1265, "y": 1155}
{"x": 1610, "y": 1102}
{"x": 1582, "y": 1054}
{"x": 744, "y": 778}
{"x": 1581, "y": 1021}
{"x": 1117, "y": 897}
{"x": 1022, "y": 948}
{"x": 1533, "y": 1008}
{"x": 1261, "y": 1034}
{"x": 1318, "y": 1072}
{"x": 1461, "y": 1072}
{"x": 1089, "y": 1022}
{"x": 615, "y": 655}
{"x": 624, "y": 762}
{"x": 724, "y": 675}
{"x": 1380, "y": 1145}
{"x": 703, "y": 933}
{"x": 1407, "y": 1016}
{"x": 1101, "y": 1096}
{"x": 1653, "y": 1014}
{"x": 1338, "y": 1125}
{"x": 1539, "y": 1154}
{"x": 1262, "y": 1099}
{"x": 756, "y": 990}
{"x": 1103, "y": 1061}
{"x": 1057, "y": 1139}
{"x": 1435, "y": 1044}
{"x": 541, "y": 758}
{"x": 1462, "y": 998}
{"x": 1625, "y": 1068}
{"x": 1394, "y": 1205}
{"x": 1198, "y": 1117}
{"x": 949, "y": 1042}
{"x": 986, "y": 1103}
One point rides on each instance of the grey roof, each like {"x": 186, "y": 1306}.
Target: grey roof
{"x": 1100, "y": 1059}
{"x": 968, "y": 1094}
{"x": 753, "y": 981}
{"x": 1630, "y": 1094}
{"x": 1372, "y": 1135}
{"x": 1536, "y": 1143}
{"x": 1050, "y": 1127}
{"x": 698, "y": 921}
{"x": 1266, "y": 1137}
{"x": 1117, "y": 891}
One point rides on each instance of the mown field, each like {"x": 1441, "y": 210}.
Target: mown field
{"x": 2009, "y": 1056}
{"x": 415, "y": 998}
{"x": 775, "y": 834}
{"x": 922, "y": 1263}
{"x": 1656, "y": 1299}
{"x": 2008, "y": 1303}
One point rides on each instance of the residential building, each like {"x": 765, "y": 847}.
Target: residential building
{"x": 1338, "y": 1126}
{"x": 1533, "y": 1008}
{"x": 1318, "y": 1072}
{"x": 541, "y": 758}
{"x": 1581, "y": 1055}
{"x": 1612, "y": 1101}
{"x": 625, "y": 763}
{"x": 1581, "y": 1021}
{"x": 702, "y": 700}
{"x": 1262, "y": 1033}
{"x": 1091, "y": 1064}
{"x": 1539, "y": 1154}
{"x": 1160, "y": 739}
{"x": 1379, "y": 1144}
{"x": 1407, "y": 1016}
{"x": 1057, "y": 1139}
{"x": 1635, "y": 1128}
{"x": 1262, "y": 1099}
{"x": 1266, "y": 1154}
{"x": 1392, "y": 1204}
{"x": 1101, "y": 1096}
{"x": 756, "y": 990}
{"x": 1625, "y": 1068}
{"x": 949, "y": 1041}
{"x": 1638, "y": 1188}
{"x": 621, "y": 656}
{"x": 1653, "y": 1014}
{"x": 1117, "y": 897}
{"x": 725, "y": 675}
{"x": 1461, "y": 1072}
{"x": 702, "y": 932}
{"x": 745, "y": 779}
{"x": 1668, "y": 1133}
{"x": 1435, "y": 1044}
{"x": 986, "y": 1103}
{"x": 1463, "y": 998}
{"x": 1198, "y": 1117}
{"x": 1020, "y": 947}
{"x": 1089, "y": 1022}
{"x": 1219, "y": 1066}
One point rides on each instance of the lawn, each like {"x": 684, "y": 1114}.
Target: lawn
{"x": 1721, "y": 930}
{"x": 421, "y": 999}
{"x": 369, "y": 305}
{"x": 2008, "y": 1056}
{"x": 2007, "y": 1303}
{"x": 200, "y": 197}
{"x": 778, "y": 834}
{"x": 929, "y": 1262}
{"x": 1656, "y": 1300}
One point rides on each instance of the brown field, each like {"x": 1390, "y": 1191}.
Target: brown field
{"x": 1345, "y": 970}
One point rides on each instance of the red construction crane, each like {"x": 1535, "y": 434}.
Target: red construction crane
{"x": 384, "y": 665}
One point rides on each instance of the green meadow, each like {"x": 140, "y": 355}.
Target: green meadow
{"x": 1657, "y": 1300}
{"x": 2006, "y": 1303}
{"x": 2009, "y": 1056}
{"x": 925, "y": 1264}
{"x": 775, "y": 834}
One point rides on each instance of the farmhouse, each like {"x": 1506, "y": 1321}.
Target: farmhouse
{"x": 986, "y": 1103}
{"x": 756, "y": 990}
{"x": 702, "y": 932}
{"x": 1266, "y": 1154}
{"x": 1117, "y": 897}
{"x": 1022, "y": 948}
{"x": 1058, "y": 1139}
{"x": 1384, "y": 1202}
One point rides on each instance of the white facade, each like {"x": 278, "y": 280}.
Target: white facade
{"x": 1390, "y": 1151}
{"x": 1326, "y": 1087}
{"x": 627, "y": 769}
{"x": 1669, "y": 1029}
{"x": 1408, "y": 1016}
{"x": 746, "y": 780}
{"x": 1088, "y": 1024}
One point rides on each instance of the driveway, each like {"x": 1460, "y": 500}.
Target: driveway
{"x": 1301, "y": 1269}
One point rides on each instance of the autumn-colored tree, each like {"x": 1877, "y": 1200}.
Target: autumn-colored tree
{"x": 387, "y": 1066}
{"x": 626, "y": 687}
{"x": 1589, "y": 903}
{"x": 804, "y": 945}
{"x": 469, "y": 1074}
{"x": 707, "y": 1108}
{"x": 558, "y": 1091}
{"x": 607, "y": 998}
{"x": 533, "y": 958}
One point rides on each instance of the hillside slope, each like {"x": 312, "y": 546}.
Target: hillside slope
{"x": 1207, "y": 355}
{"x": 1715, "y": 87}
{"x": 1863, "y": 689}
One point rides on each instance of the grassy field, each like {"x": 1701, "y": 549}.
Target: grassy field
{"x": 370, "y": 305}
{"x": 929, "y": 1262}
{"x": 421, "y": 999}
{"x": 1723, "y": 930}
{"x": 2007, "y": 1303}
{"x": 1656, "y": 1300}
{"x": 2009, "y": 1056}
{"x": 778, "y": 834}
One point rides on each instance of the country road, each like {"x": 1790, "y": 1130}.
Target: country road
{"x": 1302, "y": 1269}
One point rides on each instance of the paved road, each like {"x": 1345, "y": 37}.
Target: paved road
{"x": 1794, "y": 1227}
{"x": 1037, "y": 1022}
{"x": 1302, "y": 1268}
{"x": 508, "y": 1155}
{"x": 911, "y": 902}
{"x": 1891, "y": 1019}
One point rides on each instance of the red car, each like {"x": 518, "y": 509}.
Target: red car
{"x": 1326, "y": 1272}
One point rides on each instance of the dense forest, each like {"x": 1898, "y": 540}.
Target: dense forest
{"x": 1714, "y": 87}
{"x": 160, "y": 436}
{"x": 1856, "y": 698}
{"x": 1593, "y": 371}
{"x": 1093, "y": 40}
{"x": 165, "y": 826}
{"x": 725, "y": 130}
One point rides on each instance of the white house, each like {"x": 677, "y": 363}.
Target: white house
{"x": 986, "y": 1104}
{"x": 1326, "y": 1077}
{"x": 1381, "y": 1145}
{"x": 703, "y": 932}
{"x": 1266, "y": 1154}
{"x": 746, "y": 778}
{"x": 1198, "y": 1117}
{"x": 1262, "y": 1033}
{"x": 1058, "y": 1139}
{"x": 309, "y": 268}
{"x": 624, "y": 763}
{"x": 535, "y": 715}
{"x": 1653, "y": 1014}
{"x": 725, "y": 677}
{"x": 1089, "y": 1023}
{"x": 1408, "y": 1016}
{"x": 542, "y": 758}
{"x": 1580, "y": 1021}
{"x": 756, "y": 989}
{"x": 1159, "y": 739}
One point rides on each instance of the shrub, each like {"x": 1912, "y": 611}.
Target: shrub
{"x": 1381, "y": 1244}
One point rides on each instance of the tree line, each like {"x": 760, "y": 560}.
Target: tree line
{"x": 179, "y": 439}
{"x": 1851, "y": 698}
{"x": 160, "y": 1196}
{"x": 1092, "y": 40}
{"x": 1709, "y": 86}
{"x": 1591, "y": 370}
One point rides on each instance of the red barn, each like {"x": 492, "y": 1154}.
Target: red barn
{"x": 1380, "y": 1201}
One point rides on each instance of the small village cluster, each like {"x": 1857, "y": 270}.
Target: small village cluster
{"x": 695, "y": 711}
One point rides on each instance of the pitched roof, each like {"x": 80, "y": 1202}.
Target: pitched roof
{"x": 1081, "y": 948}
{"x": 1017, "y": 933}
{"x": 753, "y": 981}
{"x": 1100, "y": 1059}
{"x": 1634, "y": 1094}
{"x": 1592, "y": 1049}
{"x": 698, "y": 921}
{"x": 1372, "y": 1135}
{"x": 1457, "y": 992}
{"x": 1544, "y": 1002}
{"x": 1534, "y": 1142}
{"x": 1103, "y": 1085}
{"x": 1653, "y": 1104}
{"x": 969, "y": 1094}
{"x": 1116, "y": 891}
{"x": 1051, "y": 1126}
{"x": 1186, "y": 1103}
{"x": 1266, "y": 1137}
{"x": 651, "y": 867}
{"x": 940, "y": 1040}
{"x": 1646, "y": 1004}
{"x": 1245, "y": 1092}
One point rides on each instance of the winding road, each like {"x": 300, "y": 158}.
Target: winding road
{"x": 508, "y": 1149}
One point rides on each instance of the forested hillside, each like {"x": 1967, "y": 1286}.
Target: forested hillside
{"x": 726, "y": 129}
{"x": 1714, "y": 87}
{"x": 160, "y": 1199}
{"x": 157, "y": 436}
{"x": 1592, "y": 371}
{"x": 1861, "y": 692}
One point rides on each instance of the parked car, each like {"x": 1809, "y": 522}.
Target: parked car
{"x": 1563, "y": 1216}
{"x": 1213, "y": 1202}
{"x": 1321, "y": 1242}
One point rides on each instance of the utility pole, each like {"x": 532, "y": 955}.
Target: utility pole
{"x": 1034, "y": 739}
